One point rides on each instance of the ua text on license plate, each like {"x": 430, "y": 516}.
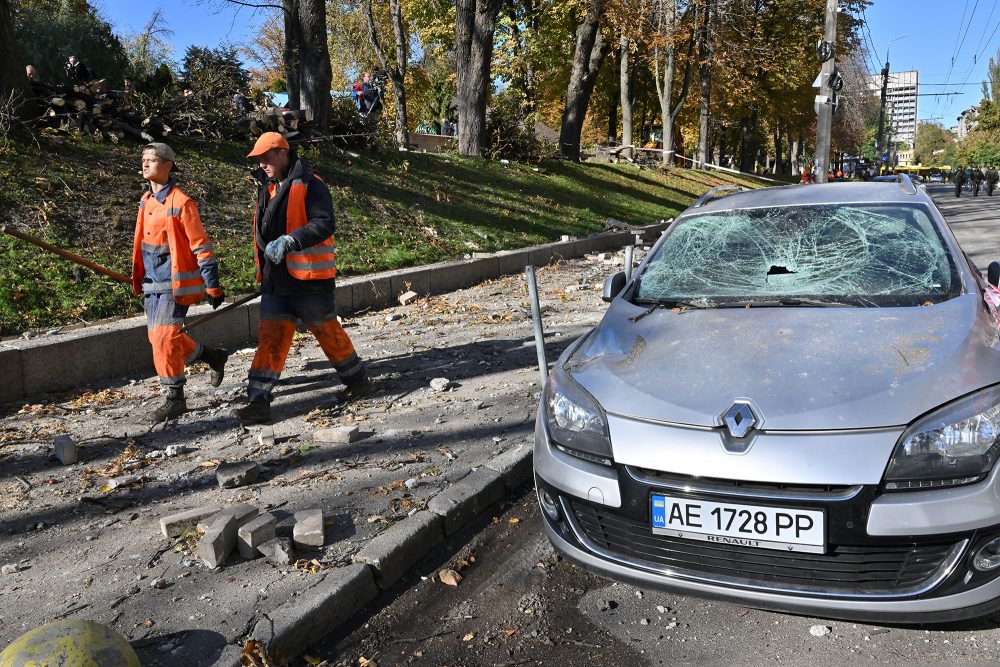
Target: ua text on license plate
{"x": 781, "y": 528}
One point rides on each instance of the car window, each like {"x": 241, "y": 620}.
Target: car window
{"x": 858, "y": 254}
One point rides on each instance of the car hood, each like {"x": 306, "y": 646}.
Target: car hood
{"x": 802, "y": 368}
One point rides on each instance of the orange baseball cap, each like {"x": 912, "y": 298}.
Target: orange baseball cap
{"x": 266, "y": 142}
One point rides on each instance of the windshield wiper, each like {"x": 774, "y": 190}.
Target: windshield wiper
{"x": 786, "y": 301}
{"x": 666, "y": 303}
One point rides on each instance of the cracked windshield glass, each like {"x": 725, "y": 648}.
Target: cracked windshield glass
{"x": 854, "y": 255}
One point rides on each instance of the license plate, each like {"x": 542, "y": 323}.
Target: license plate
{"x": 743, "y": 525}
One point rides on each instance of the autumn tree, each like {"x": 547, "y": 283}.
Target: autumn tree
{"x": 475, "y": 24}
{"x": 589, "y": 52}
{"x": 13, "y": 82}
{"x": 932, "y": 144}
{"x": 396, "y": 69}
{"x": 667, "y": 36}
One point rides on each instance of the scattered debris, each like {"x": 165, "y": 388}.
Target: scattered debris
{"x": 440, "y": 384}
{"x": 237, "y": 473}
{"x": 175, "y": 525}
{"x": 65, "y": 449}
{"x": 12, "y": 568}
{"x": 308, "y": 530}
{"x": 338, "y": 435}
{"x": 449, "y": 577}
{"x": 176, "y": 450}
{"x": 255, "y": 533}
{"x": 820, "y": 630}
{"x": 407, "y": 298}
{"x": 278, "y": 551}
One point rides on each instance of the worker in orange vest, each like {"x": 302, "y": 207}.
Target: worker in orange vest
{"x": 295, "y": 256}
{"x": 173, "y": 266}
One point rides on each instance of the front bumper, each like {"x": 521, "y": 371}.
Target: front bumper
{"x": 603, "y": 515}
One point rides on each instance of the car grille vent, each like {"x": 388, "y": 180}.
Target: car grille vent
{"x": 735, "y": 487}
{"x": 846, "y": 570}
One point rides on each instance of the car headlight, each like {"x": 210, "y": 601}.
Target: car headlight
{"x": 957, "y": 444}
{"x": 576, "y": 422}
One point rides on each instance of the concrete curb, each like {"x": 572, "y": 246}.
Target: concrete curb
{"x": 80, "y": 356}
{"x": 344, "y": 592}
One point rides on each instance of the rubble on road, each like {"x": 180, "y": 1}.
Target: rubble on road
{"x": 139, "y": 504}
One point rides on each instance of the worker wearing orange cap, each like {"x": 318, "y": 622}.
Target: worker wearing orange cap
{"x": 295, "y": 255}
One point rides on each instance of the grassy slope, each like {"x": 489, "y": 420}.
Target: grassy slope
{"x": 394, "y": 210}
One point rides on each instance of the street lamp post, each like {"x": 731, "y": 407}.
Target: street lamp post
{"x": 881, "y": 111}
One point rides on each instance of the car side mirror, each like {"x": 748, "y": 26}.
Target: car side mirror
{"x": 616, "y": 283}
{"x": 992, "y": 274}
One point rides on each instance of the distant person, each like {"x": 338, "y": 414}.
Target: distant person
{"x": 959, "y": 182}
{"x": 357, "y": 96}
{"x": 77, "y": 71}
{"x": 29, "y": 70}
{"x": 992, "y": 176}
{"x": 977, "y": 179}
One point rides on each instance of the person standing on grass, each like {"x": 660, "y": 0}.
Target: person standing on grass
{"x": 173, "y": 266}
{"x": 295, "y": 256}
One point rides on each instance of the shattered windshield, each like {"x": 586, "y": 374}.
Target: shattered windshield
{"x": 856, "y": 254}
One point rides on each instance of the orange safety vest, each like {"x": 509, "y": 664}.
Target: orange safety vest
{"x": 173, "y": 228}
{"x": 318, "y": 262}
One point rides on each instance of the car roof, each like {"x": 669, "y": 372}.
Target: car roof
{"x": 812, "y": 195}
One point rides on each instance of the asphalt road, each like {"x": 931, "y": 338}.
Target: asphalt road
{"x": 519, "y": 603}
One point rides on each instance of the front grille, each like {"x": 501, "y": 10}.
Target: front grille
{"x": 888, "y": 570}
{"x": 734, "y": 487}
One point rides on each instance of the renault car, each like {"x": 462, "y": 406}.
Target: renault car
{"x": 793, "y": 404}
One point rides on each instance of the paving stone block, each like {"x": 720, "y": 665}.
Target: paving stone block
{"x": 407, "y": 298}
{"x": 308, "y": 530}
{"x": 254, "y": 533}
{"x": 338, "y": 435}
{"x": 237, "y": 473}
{"x": 220, "y": 539}
{"x": 514, "y": 466}
{"x": 393, "y": 551}
{"x": 242, "y": 512}
{"x": 174, "y": 525}
{"x": 65, "y": 450}
{"x": 278, "y": 551}
{"x": 464, "y": 500}
{"x": 308, "y": 617}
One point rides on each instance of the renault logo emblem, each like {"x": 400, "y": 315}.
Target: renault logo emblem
{"x": 739, "y": 419}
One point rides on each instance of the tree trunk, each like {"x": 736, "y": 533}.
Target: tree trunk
{"x": 778, "y": 141}
{"x": 397, "y": 72}
{"x": 475, "y": 23}
{"x": 13, "y": 81}
{"x": 589, "y": 53}
{"x": 705, "y": 77}
{"x": 314, "y": 63}
{"x": 793, "y": 155}
{"x": 625, "y": 83}
{"x": 290, "y": 53}
{"x": 666, "y": 22}
{"x": 613, "y": 96}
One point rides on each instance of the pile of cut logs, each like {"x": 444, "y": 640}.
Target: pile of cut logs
{"x": 93, "y": 109}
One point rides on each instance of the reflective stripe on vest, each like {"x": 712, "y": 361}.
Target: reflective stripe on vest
{"x": 318, "y": 262}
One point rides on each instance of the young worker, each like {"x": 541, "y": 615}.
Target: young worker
{"x": 173, "y": 266}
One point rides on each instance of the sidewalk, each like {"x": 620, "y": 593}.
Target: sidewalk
{"x": 85, "y": 538}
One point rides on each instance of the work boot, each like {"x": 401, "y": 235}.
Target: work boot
{"x": 216, "y": 359}
{"x": 173, "y": 406}
{"x": 254, "y": 412}
{"x": 360, "y": 385}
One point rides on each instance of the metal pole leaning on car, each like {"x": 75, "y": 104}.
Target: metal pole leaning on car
{"x": 536, "y": 320}
{"x": 629, "y": 252}
{"x": 65, "y": 254}
{"x": 211, "y": 316}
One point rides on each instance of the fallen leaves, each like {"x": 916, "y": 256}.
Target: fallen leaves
{"x": 311, "y": 566}
{"x": 449, "y": 577}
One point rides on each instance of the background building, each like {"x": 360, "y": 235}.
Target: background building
{"x": 967, "y": 122}
{"x": 901, "y": 104}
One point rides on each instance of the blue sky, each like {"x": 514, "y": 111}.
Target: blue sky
{"x": 194, "y": 22}
{"x": 935, "y": 32}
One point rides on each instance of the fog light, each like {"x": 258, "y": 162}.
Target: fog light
{"x": 988, "y": 556}
{"x": 548, "y": 505}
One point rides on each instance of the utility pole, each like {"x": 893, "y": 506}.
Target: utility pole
{"x": 881, "y": 117}
{"x": 824, "y": 111}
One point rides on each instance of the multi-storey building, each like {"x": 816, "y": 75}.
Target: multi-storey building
{"x": 967, "y": 121}
{"x": 901, "y": 104}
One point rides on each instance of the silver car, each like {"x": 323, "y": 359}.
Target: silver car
{"x": 793, "y": 404}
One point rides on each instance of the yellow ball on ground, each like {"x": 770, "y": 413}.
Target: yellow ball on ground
{"x": 70, "y": 644}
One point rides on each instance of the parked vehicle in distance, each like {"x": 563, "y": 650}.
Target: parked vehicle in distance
{"x": 792, "y": 404}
